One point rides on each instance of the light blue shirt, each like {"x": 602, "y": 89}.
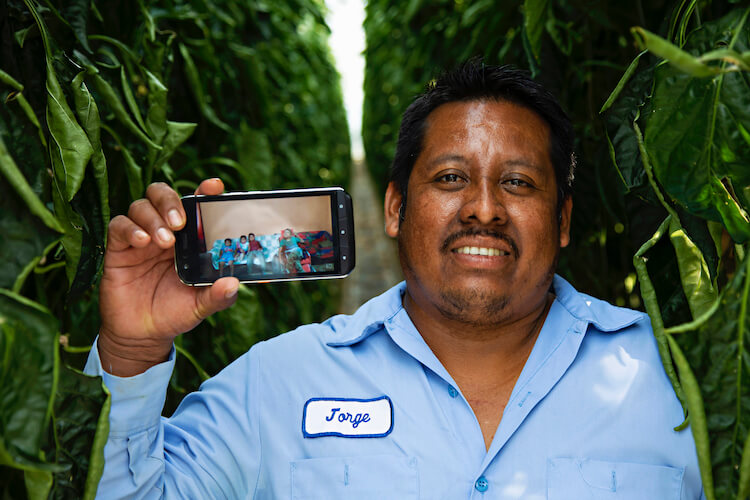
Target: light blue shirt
{"x": 591, "y": 416}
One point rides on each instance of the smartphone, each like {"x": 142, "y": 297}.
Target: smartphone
{"x": 265, "y": 236}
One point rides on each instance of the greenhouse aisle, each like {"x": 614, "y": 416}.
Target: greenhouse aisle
{"x": 377, "y": 267}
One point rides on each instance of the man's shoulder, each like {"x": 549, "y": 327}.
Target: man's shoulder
{"x": 308, "y": 341}
{"x": 603, "y": 315}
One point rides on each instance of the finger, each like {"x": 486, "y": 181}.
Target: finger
{"x": 211, "y": 187}
{"x": 124, "y": 233}
{"x": 167, "y": 203}
{"x": 217, "y": 297}
{"x": 145, "y": 215}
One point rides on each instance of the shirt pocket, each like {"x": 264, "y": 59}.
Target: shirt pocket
{"x": 584, "y": 479}
{"x": 361, "y": 478}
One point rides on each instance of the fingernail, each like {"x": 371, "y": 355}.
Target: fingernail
{"x": 141, "y": 235}
{"x": 174, "y": 217}
{"x": 164, "y": 234}
{"x": 231, "y": 292}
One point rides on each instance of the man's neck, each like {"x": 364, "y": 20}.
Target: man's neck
{"x": 484, "y": 360}
{"x": 460, "y": 344}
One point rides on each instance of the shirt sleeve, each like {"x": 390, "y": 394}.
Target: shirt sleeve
{"x": 209, "y": 448}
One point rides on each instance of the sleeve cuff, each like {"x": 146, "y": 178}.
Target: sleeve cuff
{"x": 137, "y": 401}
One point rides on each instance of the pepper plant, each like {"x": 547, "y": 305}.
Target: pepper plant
{"x": 98, "y": 100}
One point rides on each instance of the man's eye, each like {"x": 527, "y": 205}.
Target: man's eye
{"x": 517, "y": 183}
{"x": 449, "y": 178}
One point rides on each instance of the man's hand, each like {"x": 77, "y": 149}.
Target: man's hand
{"x": 143, "y": 304}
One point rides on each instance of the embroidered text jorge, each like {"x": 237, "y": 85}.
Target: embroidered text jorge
{"x": 354, "y": 419}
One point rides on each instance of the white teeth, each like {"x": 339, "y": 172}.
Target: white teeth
{"x": 491, "y": 252}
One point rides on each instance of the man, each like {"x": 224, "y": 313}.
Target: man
{"x": 484, "y": 375}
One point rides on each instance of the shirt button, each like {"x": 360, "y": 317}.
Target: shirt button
{"x": 453, "y": 392}
{"x": 481, "y": 485}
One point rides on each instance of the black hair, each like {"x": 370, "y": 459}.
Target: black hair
{"x": 227, "y": 239}
{"x": 243, "y": 236}
{"x": 250, "y": 234}
{"x": 475, "y": 81}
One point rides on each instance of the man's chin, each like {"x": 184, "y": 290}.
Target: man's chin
{"x": 475, "y": 307}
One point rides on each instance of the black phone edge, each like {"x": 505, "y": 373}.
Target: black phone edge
{"x": 343, "y": 215}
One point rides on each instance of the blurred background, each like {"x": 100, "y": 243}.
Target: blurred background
{"x": 99, "y": 99}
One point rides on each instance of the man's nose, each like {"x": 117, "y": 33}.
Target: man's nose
{"x": 484, "y": 204}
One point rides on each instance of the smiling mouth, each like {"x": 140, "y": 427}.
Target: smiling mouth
{"x": 490, "y": 252}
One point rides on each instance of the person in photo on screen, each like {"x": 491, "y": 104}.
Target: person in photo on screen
{"x": 226, "y": 256}
{"x": 255, "y": 255}
{"x": 242, "y": 249}
{"x": 289, "y": 245}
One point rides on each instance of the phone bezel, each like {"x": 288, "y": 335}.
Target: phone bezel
{"x": 342, "y": 226}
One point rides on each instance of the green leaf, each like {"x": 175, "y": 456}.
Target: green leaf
{"x": 9, "y": 80}
{"x": 651, "y": 302}
{"x": 717, "y": 349}
{"x": 16, "y": 179}
{"x": 81, "y": 421}
{"x": 26, "y": 107}
{"x": 130, "y": 98}
{"x": 255, "y": 157}
{"x": 534, "y": 19}
{"x": 177, "y": 133}
{"x": 38, "y": 484}
{"x": 621, "y": 84}
{"x": 680, "y": 59}
{"x": 76, "y": 13}
{"x": 22, "y": 34}
{"x": 69, "y": 146}
{"x": 28, "y": 343}
{"x": 194, "y": 80}
{"x": 133, "y": 171}
{"x": 156, "y": 118}
{"x": 744, "y": 483}
{"x": 112, "y": 100}
{"x": 697, "y": 417}
{"x": 694, "y": 136}
{"x": 88, "y": 114}
{"x": 620, "y": 116}
{"x": 695, "y": 276}
{"x": 72, "y": 225}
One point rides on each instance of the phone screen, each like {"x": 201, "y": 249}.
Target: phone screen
{"x": 265, "y": 237}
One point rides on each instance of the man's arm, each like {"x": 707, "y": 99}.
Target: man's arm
{"x": 143, "y": 304}
{"x": 208, "y": 449}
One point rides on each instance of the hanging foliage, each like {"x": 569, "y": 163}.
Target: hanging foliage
{"x": 99, "y": 99}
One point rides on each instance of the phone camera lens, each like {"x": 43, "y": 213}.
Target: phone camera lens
{"x": 185, "y": 266}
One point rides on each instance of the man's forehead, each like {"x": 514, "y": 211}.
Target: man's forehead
{"x": 492, "y": 120}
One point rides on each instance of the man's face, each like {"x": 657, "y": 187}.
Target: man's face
{"x": 480, "y": 236}
{"x": 252, "y": 237}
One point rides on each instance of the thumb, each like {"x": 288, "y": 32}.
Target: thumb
{"x": 217, "y": 297}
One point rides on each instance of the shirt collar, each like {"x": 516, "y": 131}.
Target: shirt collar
{"x": 371, "y": 316}
{"x": 604, "y": 316}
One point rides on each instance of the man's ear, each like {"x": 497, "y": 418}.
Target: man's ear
{"x": 393, "y": 201}
{"x": 565, "y": 214}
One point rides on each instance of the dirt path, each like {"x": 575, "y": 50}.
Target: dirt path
{"x": 377, "y": 267}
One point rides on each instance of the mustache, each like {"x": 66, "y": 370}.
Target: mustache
{"x": 474, "y": 231}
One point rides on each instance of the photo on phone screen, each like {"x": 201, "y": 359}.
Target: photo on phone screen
{"x": 266, "y": 236}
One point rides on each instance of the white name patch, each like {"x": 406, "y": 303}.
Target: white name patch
{"x": 346, "y": 417}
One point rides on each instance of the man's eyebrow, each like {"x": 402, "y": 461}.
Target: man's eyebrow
{"x": 522, "y": 162}
{"x": 447, "y": 158}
